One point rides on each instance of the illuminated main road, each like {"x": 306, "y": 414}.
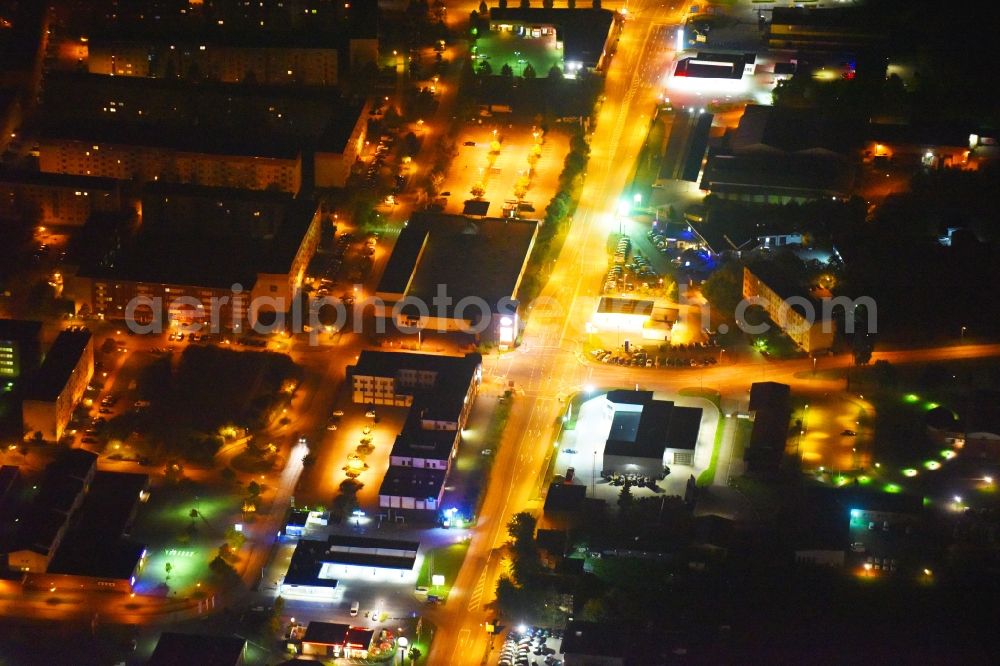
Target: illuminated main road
{"x": 546, "y": 364}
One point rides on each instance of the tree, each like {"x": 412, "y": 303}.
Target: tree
{"x": 502, "y": 4}
{"x": 571, "y": 4}
{"x": 235, "y": 539}
{"x": 483, "y": 9}
{"x": 625, "y": 499}
{"x": 478, "y": 190}
{"x": 885, "y": 373}
{"x": 597, "y": 4}
{"x": 529, "y": 71}
{"x": 275, "y": 622}
{"x": 485, "y": 69}
{"x": 415, "y": 654}
{"x": 724, "y": 289}
{"x": 521, "y": 527}
{"x": 555, "y": 73}
{"x": 506, "y": 72}
{"x": 253, "y": 489}
{"x": 168, "y": 567}
{"x": 525, "y": 4}
{"x": 548, "y": 4}
{"x": 193, "y": 513}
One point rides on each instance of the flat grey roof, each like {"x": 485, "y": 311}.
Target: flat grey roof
{"x": 50, "y": 379}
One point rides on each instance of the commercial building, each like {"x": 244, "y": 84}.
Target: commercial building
{"x": 412, "y": 490}
{"x": 57, "y": 387}
{"x": 648, "y": 434}
{"x": 174, "y": 649}
{"x": 316, "y": 565}
{"x": 806, "y": 320}
{"x": 57, "y": 199}
{"x": 452, "y": 273}
{"x": 770, "y": 410}
{"x": 823, "y": 29}
{"x": 173, "y": 270}
{"x": 330, "y": 639}
{"x": 779, "y": 155}
{"x": 94, "y": 553}
{"x": 439, "y": 392}
{"x": 20, "y": 348}
{"x": 572, "y": 39}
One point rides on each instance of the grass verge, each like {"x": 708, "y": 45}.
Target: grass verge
{"x": 707, "y": 475}
{"x": 446, "y": 560}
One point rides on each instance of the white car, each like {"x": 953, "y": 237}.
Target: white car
{"x": 370, "y": 413}
{"x": 338, "y": 413}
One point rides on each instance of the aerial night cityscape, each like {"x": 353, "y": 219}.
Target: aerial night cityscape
{"x": 499, "y": 332}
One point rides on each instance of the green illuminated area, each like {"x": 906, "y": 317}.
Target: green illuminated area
{"x": 183, "y": 525}
{"x": 504, "y": 48}
{"x": 444, "y": 561}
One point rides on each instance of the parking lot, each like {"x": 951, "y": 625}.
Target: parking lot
{"x": 530, "y": 646}
{"x": 499, "y": 174}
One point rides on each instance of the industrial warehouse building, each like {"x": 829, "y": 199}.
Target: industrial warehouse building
{"x": 478, "y": 264}
{"x": 68, "y": 531}
{"x": 647, "y": 434}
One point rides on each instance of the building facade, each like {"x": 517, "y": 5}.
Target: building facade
{"x": 144, "y": 163}
{"x": 52, "y": 199}
{"x": 806, "y": 321}
{"x": 20, "y": 347}
{"x": 58, "y": 386}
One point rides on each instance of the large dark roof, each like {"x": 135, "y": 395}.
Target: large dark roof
{"x": 648, "y": 433}
{"x": 306, "y": 563}
{"x": 685, "y": 423}
{"x": 174, "y": 649}
{"x": 416, "y": 442}
{"x": 443, "y": 402}
{"x": 371, "y": 551}
{"x": 326, "y": 633}
{"x": 792, "y": 130}
{"x": 210, "y": 237}
{"x": 45, "y": 179}
{"x": 565, "y": 497}
{"x": 480, "y": 258}
{"x": 809, "y": 174}
{"x": 583, "y": 31}
{"x": 207, "y": 117}
{"x": 64, "y": 354}
{"x": 418, "y": 483}
{"x": 770, "y": 402}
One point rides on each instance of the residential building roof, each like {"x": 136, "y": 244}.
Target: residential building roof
{"x": 262, "y": 232}
{"x": 174, "y": 649}
{"x": 50, "y": 379}
{"x": 786, "y": 288}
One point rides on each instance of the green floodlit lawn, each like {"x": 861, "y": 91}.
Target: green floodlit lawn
{"x": 446, "y": 560}
{"x": 164, "y": 525}
{"x": 500, "y": 48}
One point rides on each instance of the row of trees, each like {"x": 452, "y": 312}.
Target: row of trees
{"x": 526, "y": 595}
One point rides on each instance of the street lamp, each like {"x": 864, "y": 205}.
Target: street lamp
{"x": 962, "y": 336}
{"x": 403, "y": 642}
